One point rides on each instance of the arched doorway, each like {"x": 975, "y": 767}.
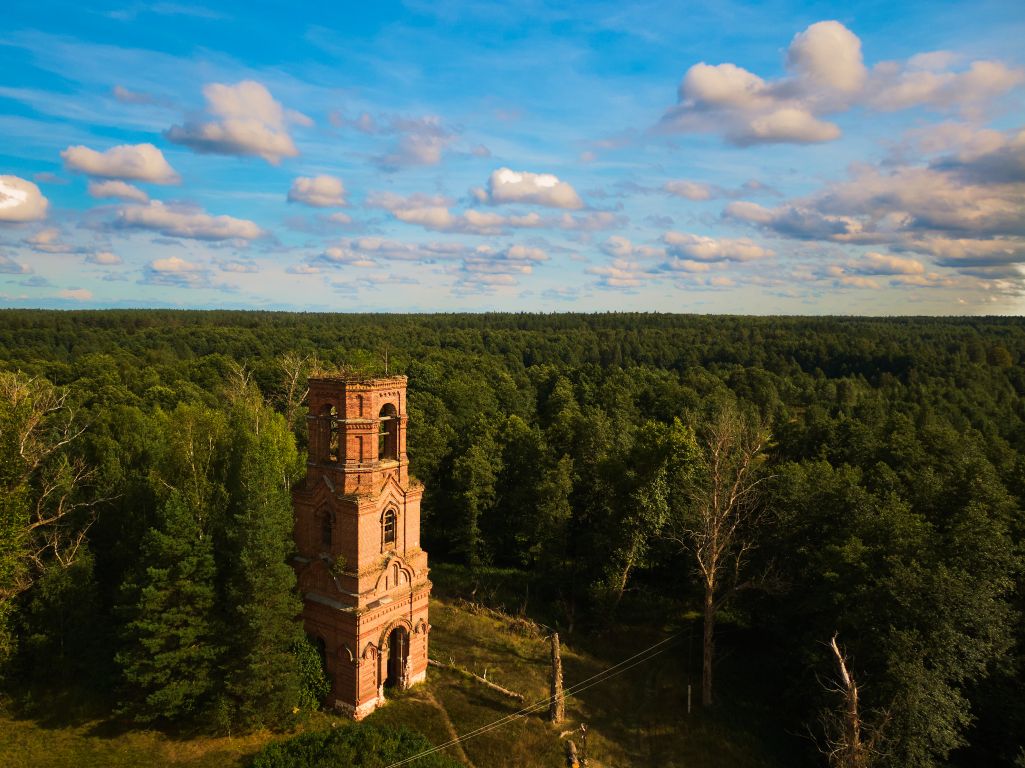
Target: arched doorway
{"x": 398, "y": 655}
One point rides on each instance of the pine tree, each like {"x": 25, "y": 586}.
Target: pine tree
{"x": 261, "y": 602}
{"x": 171, "y": 650}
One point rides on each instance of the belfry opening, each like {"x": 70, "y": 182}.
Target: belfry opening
{"x": 387, "y": 444}
{"x": 360, "y": 568}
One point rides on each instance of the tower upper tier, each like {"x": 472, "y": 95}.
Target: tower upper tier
{"x": 357, "y": 431}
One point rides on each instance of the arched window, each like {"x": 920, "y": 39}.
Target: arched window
{"x": 388, "y": 434}
{"x": 325, "y": 529}
{"x": 325, "y": 433}
{"x": 334, "y": 443}
{"x": 389, "y": 526}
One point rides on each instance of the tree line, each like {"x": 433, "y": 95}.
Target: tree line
{"x": 802, "y": 479}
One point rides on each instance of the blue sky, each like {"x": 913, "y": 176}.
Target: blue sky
{"x": 864, "y": 158}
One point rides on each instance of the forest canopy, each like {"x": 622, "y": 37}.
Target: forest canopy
{"x": 146, "y": 457}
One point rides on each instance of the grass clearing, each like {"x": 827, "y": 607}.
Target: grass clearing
{"x": 635, "y": 719}
{"x": 27, "y": 744}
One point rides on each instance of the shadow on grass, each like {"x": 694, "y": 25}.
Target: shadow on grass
{"x": 82, "y": 709}
{"x": 55, "y": 708}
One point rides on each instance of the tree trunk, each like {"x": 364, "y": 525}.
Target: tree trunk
{"x": 557, "y": 704}
{"x": 624, "y": 577}
{"x": 708, "y": 648}
{"x": 848, "y": 750}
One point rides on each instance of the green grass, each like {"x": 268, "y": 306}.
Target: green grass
{"x": 636, "y": 719}
{"x": 27, "y": 744}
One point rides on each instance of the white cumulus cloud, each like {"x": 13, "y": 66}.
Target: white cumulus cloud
{"x": 418, "y": 148}
{"x": 247, "y": 121}
{"x": 487, "y": 268}
{"x": 691, "y": 190}
{"x": 826, "y": 75}
{"x": 349, "y": 251}
{"x": 186, "y": 222}
{"x": 141, "y": 162}
{"x": 895, "y": 85}
{"x": 873, "y": 263}
{"x": 710, "y": 249}
{"x": 21, "y": 200}
{"x": 961, "y": 210}
{"x": 117, "y": 190}
{"x": 49, "y": 241}
{"x": 177, "y": 272}
{"x": 318, "y": 191}
{"x": 509, "y": 186}
{"x": 434, "y": 212}
{"x": 621, "y": 273}
{"x": 344, "y": 256}
{"x": 827, "y": 56}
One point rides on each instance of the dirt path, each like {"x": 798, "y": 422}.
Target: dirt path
{"x": 458, "y": 748}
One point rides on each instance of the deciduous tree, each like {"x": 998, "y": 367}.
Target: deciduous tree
{"x": 719, "y": 516}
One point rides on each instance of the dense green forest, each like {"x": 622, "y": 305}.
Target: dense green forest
{"x": 789, "y": 480}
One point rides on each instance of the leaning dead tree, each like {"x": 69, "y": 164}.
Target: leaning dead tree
{"x": 720, "y": 522}
{"x": 850, "y": 742}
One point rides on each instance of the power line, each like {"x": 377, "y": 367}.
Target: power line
{"x": 579, "y": 687}
{"x": 583, "y": 685}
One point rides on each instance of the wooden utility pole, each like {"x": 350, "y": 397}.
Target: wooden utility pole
{"x": 557, "y": 704}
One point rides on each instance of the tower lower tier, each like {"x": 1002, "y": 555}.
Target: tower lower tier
{"x": 368, "y": 652}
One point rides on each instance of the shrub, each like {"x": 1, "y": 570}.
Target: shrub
{"x": 355, "y": 745}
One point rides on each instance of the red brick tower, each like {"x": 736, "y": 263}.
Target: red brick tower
{"x": 360, "y": 568}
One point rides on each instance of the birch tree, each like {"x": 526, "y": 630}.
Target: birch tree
{"x": 719, "y": 515}
{"x": 295, "y": 370}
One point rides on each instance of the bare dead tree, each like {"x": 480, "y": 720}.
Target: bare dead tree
{"x": 295, "y": 373}
{"x": 37, "y": 423}
{"x": 850, "y": 741}
{"x": 41, "y": 421}
{"x": 239, "y": 381}
{"x": 721, "y": 520}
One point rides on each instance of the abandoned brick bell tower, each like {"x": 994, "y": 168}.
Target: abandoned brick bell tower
{"x": 360, "y": 568}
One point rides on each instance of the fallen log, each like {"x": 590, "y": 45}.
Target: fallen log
{"x": 478, "y": 678}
